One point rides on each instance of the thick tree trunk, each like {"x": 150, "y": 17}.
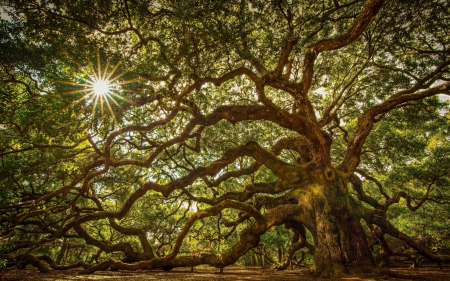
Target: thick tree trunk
{"x": 341, "y": 243}
{"x": 324, "y": 207}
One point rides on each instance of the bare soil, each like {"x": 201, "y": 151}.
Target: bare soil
{"x": 211, "y": 274}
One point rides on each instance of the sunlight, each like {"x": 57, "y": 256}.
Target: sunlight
{"x": 101, "y": 88}
{"x": 321, "y": 91}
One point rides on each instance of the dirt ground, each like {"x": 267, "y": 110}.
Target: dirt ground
{"x": 211, "y": 274}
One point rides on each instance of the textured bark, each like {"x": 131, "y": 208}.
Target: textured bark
{"x": 340, "y": 243}
{"x": 317, "y": 198}
{"x": 339, "y": 238}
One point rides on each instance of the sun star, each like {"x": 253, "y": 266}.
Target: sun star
{"x": 101, "y": 87}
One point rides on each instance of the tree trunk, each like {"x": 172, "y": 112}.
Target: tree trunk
{"x": 280, "y": 254}
{"x": 62, "y": 252}
{"x": 341, "y": 243}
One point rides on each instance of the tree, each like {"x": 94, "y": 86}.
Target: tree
{"x": 219, "y": 121}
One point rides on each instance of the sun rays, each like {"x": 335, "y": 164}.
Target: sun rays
{"x": 101, "y": 89}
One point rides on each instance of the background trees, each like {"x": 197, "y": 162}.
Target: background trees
{"x": 225, "y": 121}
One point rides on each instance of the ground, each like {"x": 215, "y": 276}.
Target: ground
{"x": 210, "y": 274}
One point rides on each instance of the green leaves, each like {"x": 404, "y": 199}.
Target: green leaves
{"x": 199, "y": 83}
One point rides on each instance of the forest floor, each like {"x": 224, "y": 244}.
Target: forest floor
{"x": 211, "y": 274}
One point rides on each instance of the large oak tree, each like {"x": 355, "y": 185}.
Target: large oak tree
{"x": 222, "y": 120}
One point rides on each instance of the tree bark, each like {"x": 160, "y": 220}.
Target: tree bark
{"x": 340, "y": 240}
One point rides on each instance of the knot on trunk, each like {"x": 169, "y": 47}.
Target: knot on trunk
{"x": 330, "y": 174}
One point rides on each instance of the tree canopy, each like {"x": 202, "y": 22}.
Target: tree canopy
{"x": 159, "y": 134}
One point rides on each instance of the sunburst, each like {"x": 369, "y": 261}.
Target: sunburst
{"x": 101, "y": 88}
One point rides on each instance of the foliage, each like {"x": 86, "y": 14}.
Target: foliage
{"x": 231, "y": 128}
